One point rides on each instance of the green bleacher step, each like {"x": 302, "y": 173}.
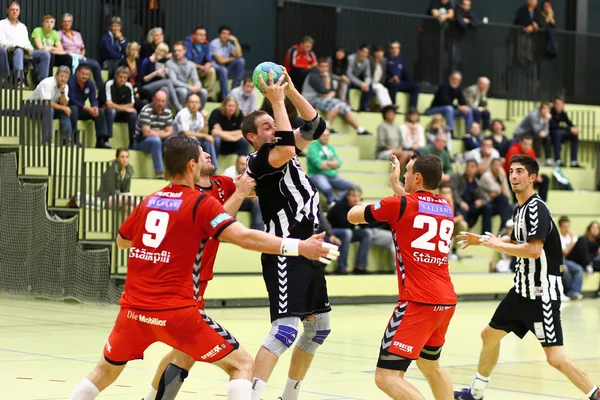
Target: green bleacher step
{"x": 373, "y": 166}
{"x": 365, "y": 178}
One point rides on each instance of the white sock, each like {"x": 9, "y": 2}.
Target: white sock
{"x": 86, "y": 390}
{"x": 258, "y": 386}
{"x": 239, "y": 389}
{"x": 151, "y": 395}
{"x": 479, "y": 385}
{"x": 291, "y": 390}
{"x": 592, "y": 392}
{"x": 360, "y": 129}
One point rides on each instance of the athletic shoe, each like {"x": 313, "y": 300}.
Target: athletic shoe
{"x": 464, "y": 394}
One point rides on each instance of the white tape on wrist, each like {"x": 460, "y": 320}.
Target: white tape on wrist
{"x": 289, "y": 247}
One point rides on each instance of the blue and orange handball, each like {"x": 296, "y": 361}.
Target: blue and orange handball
{"x": 263, "y": 69}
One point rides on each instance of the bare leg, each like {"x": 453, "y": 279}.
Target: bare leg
{"x": 438, "y": 379}
{"x": 557, "y": 357}
{"x": 103, "y": 375}
{"x": 351, "y": 119}
{"x": 394, "y": 385}
{"x": 331, "y": 115}
{"x": 301, "y": 360}
{"x": 264, "y": 364}
{"x": 490, "y": 352}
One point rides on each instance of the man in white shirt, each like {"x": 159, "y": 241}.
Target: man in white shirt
{"x": 249, "y": 203}
{"x": 245, "y": 96}
{"x": 573, "y": 273}
{"x": 226, "y": 52}
{"x": 55, "y": 90}
{"x": 14, "y": 37}
{"x": 483, "y": 155}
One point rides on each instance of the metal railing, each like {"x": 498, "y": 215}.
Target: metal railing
{"x": 11, "y": 98}
{"x": 66, "y": 169}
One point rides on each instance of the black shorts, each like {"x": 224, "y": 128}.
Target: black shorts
{"x": 296, "y": 286}
{"x": 520, "y": 315}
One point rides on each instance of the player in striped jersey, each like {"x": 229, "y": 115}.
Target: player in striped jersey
{"x": 533, "y": 304}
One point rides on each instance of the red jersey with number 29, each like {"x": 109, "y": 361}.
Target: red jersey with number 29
{"x": 422, "y": 224}
{"x": 166, "y": 230}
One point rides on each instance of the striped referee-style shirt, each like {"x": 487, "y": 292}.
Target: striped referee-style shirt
{"x": 156, "y": 121}
{"x": 538, "y": 278}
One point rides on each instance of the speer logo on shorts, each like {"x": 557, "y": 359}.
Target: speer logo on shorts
{"x": 402, "y": 346}
{"x": 213, "y": 351}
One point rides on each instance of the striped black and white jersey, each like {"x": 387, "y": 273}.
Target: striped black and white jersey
{"x": 289, "y": 201}
{"x": 538, "y": 278}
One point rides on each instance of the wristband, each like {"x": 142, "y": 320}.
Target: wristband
{"x": 289, "y": 247}
{"x": 284, "y": 138}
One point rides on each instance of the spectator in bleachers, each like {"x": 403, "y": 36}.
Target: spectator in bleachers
{"x": 119, "y": 103}
{"x": 225, "y": 126}
{"x": 473, "y": 139}
{"x": 389, "y": 138}
{"x": 464, "y": 19}
{"x": 525, "y": 146}
{"x": 181, "y": 72}
{"x": 245, "y": 96}
{"x": 115, "y": 184}
{"x": 250, "y": 203}
{"x": 81, "y": 90}
{"x": 339, "y": 67}
{"x": 14, "y": 37}
{"x": 536, "y": 125}
{"x": 229, "y": 62}
{"x": 359, "y": 73}
{"x": 500, "y": 141}
{"x": 112, "y": 47}
{"x": 438, "y": 125}
{"x": 155, "y": 76}
{"x": 134, "y": 64}
{"x": 443, "y": 102}
{"x": 397, "y": 76}
{"x": 4, "y": 66}
{"x": 299, "y": 60}
{"x": 438, "y": 148}
{"x": 323, "y": 168}
{"x": 154, "y": 37}
{"x": 55, "y": 90}
{"x": 46, "y": 38}
{"x": 573, "y": 273}
{"x": 550, "y": 25}
{"x": 190, "y": 122}
{"x": 72, "y": 43}
{"x": 349, "y": 233}
{"x": 483, "y": 155}
{"x": 471, "y": 198}
{"x": 460, "y": 225}
{"x": 476, "y": 97}
{"x": 318, "y": 90}
{"x": 198, "y": 52}
{"x": 529, "y": 17}
{"x": 413, "y": 134}
{"x": 563, "y": 130}
{"x": 586, "y": 251}
{"x": 494, "y": 184}
{"x": 378, "y": 70}
{"x": 442, "y": 10}
{"x": 154, "y": 125}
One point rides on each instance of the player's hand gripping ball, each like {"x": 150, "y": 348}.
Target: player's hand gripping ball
{"x": 263, "y": 69}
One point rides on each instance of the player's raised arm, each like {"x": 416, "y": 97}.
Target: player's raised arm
{"x": 395, "y": 177}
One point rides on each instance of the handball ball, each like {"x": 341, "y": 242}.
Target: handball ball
{"x": 263, "y": 69}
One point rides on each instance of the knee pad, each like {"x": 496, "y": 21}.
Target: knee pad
{"x": 282, "y": 335}
{"x": 170, "y": 382}
{"x": 315, "y": 333}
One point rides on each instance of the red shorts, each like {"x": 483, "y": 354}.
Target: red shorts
{"x": 186, "y": 329}
{"x": 415, "y": 326}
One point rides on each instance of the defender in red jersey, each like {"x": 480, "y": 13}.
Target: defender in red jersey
{"x": 422, "y": 224}
{"x": 158, "y": 304}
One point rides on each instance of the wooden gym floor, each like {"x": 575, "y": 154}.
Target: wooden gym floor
{"x": 47, "y": 347}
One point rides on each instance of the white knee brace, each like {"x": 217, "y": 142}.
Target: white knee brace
{"x": 315, "y": 333}
{"x": 282, "y": 335}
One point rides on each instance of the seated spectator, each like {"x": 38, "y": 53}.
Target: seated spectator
{"x": 15, "y": 39}
{"x": 397, "y": 76}
{"x": 494, "y": 184}
{"x": 563, "y": 130}
{"x": 339, "y": 66}
{"x": 112, "y": 47}
{"x": 72, "y": 43}
{"x": 225, "y": 126}
{"x": 473, "y": 139}
{"x": 55, "y": 90}
{"x": 115, "y": 185}
{"x": 438, "y": 148}
{"x": 500, "y": 141}
{"x": 471, "y": 198}
{"x": 154, "y": 126}
{"x": 413, "y": 135}
{"x": 229, "y": 62}
{"x": 155, "y": 76}
{"x": 378, "y": 71}
{"x": 119, "y": 103}
{"x": 299, "y": 60}
{"x": 536, "y": 125}
{"x": 389, "y": 138}
{"x": 190, "y": 122}
{"x": 181, "y": 72}
{"x": 198, "y": 52}
{"x": 438, "y": 125}
{"x": 245, "y": 96}
{"x": 359, "y": 73}
{"x": 250, "y": 203}
{"x": 525, "y": 146}
{"x": 586, "y": 250}
{"x": 323, "y": 168}
{"x": 46, "y": 38}
{"x": 443, "y": 102}
{"x": 82, "y": 90}
{"x": 349, "y": 233}
{"x": 573, "y": 273}
{"x": 460, "y": 225}
{"x": 4, "y": 67}
{"x": 154, "y": 37}
{"x": 476, "y": 97}
{"x": 483, "y": 155}
{"x": 134, "y": 64}
{"x": 318, "y": 90}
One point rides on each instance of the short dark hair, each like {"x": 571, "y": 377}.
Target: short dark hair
{"x": 563, "y": 219}
{"x": 249, "y": 122}
{"x": 471, "y": 160}
{"x": 353, "y": 189}
{"x": 121, "y": 150}
{"x": 530, "y": 164}
{"x": 10, "y": 3}
{"x": 225, "y": 28}
{"x": 558, "y": 97}
{"x": 307, "y": 39}
{"x": 322, "y": 60}
{"x": 487, "y": 138}
{"x": 83, "y": 66}
{"x": 544, "y": 104}
{"x": 526, "y": 137}
{"x": 247, "y": 79}
{"x": 498, "y": 121}
{"x": 445, "y": 185}
{"x": 430, "y": 168}
{"x": 376, "y": 48}
{"x": 363, "y": 46}
{"x": 178, "y": 151}
{"x": 198, "y": 28}
{"x": 179, "y": 43}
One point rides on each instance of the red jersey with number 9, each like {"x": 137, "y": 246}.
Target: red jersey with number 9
{"x": 166, "y": 230}
{"x": 422, "y": 224}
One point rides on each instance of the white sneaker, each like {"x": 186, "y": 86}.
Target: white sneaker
{"x": 564, "y": 298}
{"x": 550, "y": 162}
{"x": 577, "y": 296}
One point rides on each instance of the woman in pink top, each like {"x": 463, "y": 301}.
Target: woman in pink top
{"x": 73, "y": 44}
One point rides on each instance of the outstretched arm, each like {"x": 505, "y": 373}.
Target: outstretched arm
{"x": 356, "y": 215}
{"x": 531, "y": 249}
